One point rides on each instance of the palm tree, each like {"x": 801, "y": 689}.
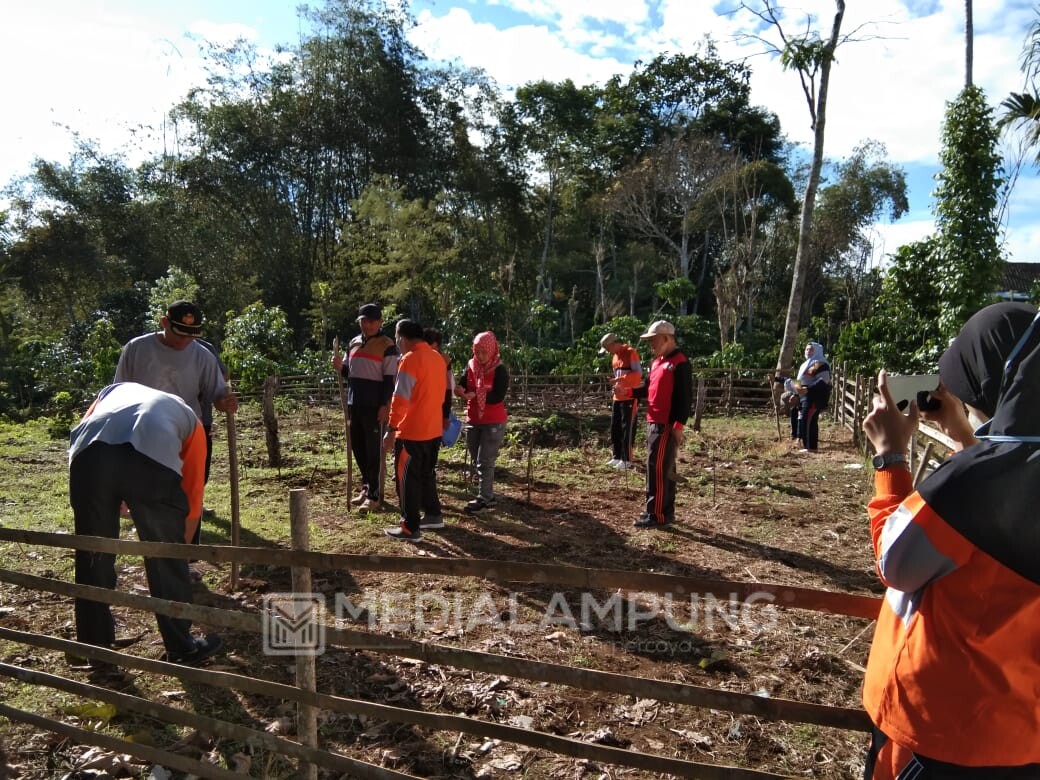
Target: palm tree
{"x": 1021, "y": 110}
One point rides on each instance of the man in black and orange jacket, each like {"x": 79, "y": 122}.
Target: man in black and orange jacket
{"x": 417, "y": 410}
{"x": 147, "y": 448}
{"x": 953, "y": 675}
{"x": 626, "y": 373}
{"x": 370, "y": 370}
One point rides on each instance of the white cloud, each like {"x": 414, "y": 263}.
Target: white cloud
{"x": 126, "y": 75}
{"x": 513, "y": 56}
{"x": 891, "y": 236}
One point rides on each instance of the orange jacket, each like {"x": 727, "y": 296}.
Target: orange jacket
{"x": 625, "y": 366}
{"x": 417, "y": 404}
{"x": 954, "y": 670}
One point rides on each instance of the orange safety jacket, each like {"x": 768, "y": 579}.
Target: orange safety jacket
{"x": 416, "y": 408}
{"x": 954, "y": 669}
{"x": 626, "y": 367}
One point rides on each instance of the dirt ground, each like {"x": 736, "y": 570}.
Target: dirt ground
{"x": 751, "y": 509}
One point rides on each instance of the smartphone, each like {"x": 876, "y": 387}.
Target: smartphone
{"x": 914, "y": 387}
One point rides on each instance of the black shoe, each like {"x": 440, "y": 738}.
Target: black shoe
{"x": 651, "y": 522}
{"x": 402, "y": 534}
{"x": 203, "y": 649}
{"x": 431, "y": 523}
{"x": 478, "y": 504}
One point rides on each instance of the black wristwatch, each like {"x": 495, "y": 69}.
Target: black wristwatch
{"x": 880, "y": 462}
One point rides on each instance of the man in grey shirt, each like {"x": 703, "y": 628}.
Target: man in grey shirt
{"x": 173, "y": 361}
{"x": 170, "y": 360}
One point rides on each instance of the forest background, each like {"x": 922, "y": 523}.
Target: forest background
{"x": 349, "y": 168}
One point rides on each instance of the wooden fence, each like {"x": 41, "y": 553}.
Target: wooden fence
{"x": 725, "y": 391}
{"x": 306, "y": 749}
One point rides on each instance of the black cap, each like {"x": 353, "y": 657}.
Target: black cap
{"x": 370, "y": 311}
{"x": 185, "y": 318}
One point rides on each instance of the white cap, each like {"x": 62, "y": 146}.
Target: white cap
{"x": 607, "y": 341}
{"x": 659, "y": 328}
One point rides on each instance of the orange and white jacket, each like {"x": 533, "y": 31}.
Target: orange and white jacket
{"x": 954, "y": 669}
{"x": 417, "y": 407}
{"x": 625, "y": 366}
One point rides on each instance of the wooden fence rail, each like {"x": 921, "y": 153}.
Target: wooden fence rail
{"x": 472, "y": 660}
{"x": 726, "y": 391}
{"x": 308, "y": 698}
{"x": 850, "y": 604}
{"x": 490, "y": 663}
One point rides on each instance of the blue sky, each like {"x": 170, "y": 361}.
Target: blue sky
{"x": 100, "y": 67}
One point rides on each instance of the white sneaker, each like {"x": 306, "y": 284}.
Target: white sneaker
{"x": 613, "y": 463}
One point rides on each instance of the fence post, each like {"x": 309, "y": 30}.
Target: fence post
{"x": 844, "y": 392}
{"x": 274, "y": 447}
{"x": 699, "y": 408}
{"x": 306, "y": 714}
{"x": 856, "y": 409}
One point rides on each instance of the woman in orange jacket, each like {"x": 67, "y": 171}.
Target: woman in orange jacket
{"x": 953, "y": 678}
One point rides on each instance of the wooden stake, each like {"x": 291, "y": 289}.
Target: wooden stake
{"x": 346, "y": 428}
{"x": 232, "y": 437}
{"x": 307, "y": 714}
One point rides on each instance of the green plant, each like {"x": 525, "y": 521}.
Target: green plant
{"x": 258, "y": 344}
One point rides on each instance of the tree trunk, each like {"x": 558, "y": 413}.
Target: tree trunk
{"x": 801, "y": 262}
{"x": 542, "y": 287}
{"x": 969, "y": 43}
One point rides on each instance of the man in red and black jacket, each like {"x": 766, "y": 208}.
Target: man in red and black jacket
{"x": 371, "y": 371}
{"x": 669, "y": 394}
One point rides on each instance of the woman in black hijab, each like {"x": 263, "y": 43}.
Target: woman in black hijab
{"x": 953, "y": 679}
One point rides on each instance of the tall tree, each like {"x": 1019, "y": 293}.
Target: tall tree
{"x": 967, "y": 258}
{"x": 555, "y": 122}
{"x": 658, "y": 196}
{"x": 811, "y": 57}
{"x": 969, "y": 43}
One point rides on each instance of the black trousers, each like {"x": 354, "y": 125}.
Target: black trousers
{"x": 100, "y": 478}
{"x": 623, "y": 416}
{"x": 367, "y": 445}
{"x": 415, "y": 464}
{"x": 809, "y": 424}
{"x": 660, "y": 473}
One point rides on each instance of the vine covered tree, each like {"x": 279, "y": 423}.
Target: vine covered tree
{"x": 967, "y": 258}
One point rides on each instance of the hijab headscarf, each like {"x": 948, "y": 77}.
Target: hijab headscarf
{"x": 483, "y": 364}
{"x": 990, "y": 491}
{"x": 815, "y": 356}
